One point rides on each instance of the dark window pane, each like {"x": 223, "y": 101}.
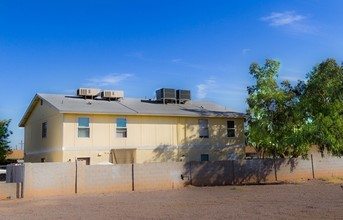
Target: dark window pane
{"x": 204, "y": 157}
{"x": 44, "y": 129}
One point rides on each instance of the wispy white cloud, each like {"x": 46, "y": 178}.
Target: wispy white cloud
{"x": 245, "y": 51}
{"x": 203, "y": 88}
{"x": 109, "y": 80}
{"x": 283, "y": 18}
{"x": 231, "y": 95}
{"x": 295, "y": 23}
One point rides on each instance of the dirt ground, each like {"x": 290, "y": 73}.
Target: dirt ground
{"x": 314, "y": 199}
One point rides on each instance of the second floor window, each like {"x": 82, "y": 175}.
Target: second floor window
{"x": 44, "y": 129}
{"x": 231, "y": 130}
{"x": 83, "y": 127}
{"x": 121, "y": 129}
{"x": 203, "y": 128}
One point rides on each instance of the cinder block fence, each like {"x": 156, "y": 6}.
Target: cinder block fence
{"x": 46, "y": 179}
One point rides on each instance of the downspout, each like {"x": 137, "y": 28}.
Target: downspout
{"x": 178, "y": 142}
{"x": 62, "y": 136}
{"x": 185, "y": 133}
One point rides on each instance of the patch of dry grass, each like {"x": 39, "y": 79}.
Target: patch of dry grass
{"x": 335, "y": 180}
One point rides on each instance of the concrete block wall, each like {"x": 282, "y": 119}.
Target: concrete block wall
{"x": 211, "y": 173}
{"x": 231, "y": 172}
{"x": 45, "y": 179}
{"x": 8, "y": 190}
{"x": 293, "y": 169}
{"x": 253, "y": 171}
{"x": 263, "y": 171}
{"x": 104, "y": 178}
{"x": 152, "y": 176}
{"x": 328, "y": 167}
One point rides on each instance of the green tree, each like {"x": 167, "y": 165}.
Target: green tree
{"x": 322, "y": 102}
{"x": 274, "y": 124}
{"x": 4, "y": 142}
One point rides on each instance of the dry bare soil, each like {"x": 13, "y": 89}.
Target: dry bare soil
{"x": 314, "y": 199}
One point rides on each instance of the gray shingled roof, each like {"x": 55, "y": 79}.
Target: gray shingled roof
{"x": 131, "y": 106}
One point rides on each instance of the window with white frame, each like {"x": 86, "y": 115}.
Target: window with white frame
{"x": 203, "y": 128}
{"x": 231, "y": 129}
{"x": 121, "y": 129}
{"x": 83, "y": 127}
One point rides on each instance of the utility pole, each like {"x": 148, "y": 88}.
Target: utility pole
{"x": 21, "y": 144}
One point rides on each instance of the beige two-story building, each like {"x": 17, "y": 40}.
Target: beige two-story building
{"x": 105, "y": 127}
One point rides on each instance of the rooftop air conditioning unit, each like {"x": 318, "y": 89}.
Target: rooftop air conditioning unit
{"x": 112, "y": 94}
{"x": 88, "y": 92}
{"x": 164, "y": 93}
{"x": 183, "y": 95}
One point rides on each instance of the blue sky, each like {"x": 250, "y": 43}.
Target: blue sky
{"x": 140, "y": 46}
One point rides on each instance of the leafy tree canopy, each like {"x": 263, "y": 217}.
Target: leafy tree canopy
{"x": 285, "y": 120}
{"x": 4, "y": 142}
{"x": 272, "y": 115}
{"x": 322, "y": 101}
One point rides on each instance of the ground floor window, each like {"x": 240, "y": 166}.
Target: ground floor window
{"x": 204, "y": 157}
{"x": 85, "y": 160}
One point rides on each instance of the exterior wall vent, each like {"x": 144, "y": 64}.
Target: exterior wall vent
{"x": 183, "y": 95}
{"x": 112, "y": 94}
{"x": 88, "y": 92}
{"x": 166, "y": 95}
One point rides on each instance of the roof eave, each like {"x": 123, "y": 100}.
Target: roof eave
{"x": 29, "y": 110}
{"x": 239, "y": 115}
{"x": 31, "y": 107}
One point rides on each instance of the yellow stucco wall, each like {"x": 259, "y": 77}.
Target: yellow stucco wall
{"x": 172, "y": 154}
{"x": 35, "y": 144}
{"x": 151, "y": 138}
{"x": 155, "y": 138}
{"x": 52, "y": 156}
{"x": 149, "y": 131}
